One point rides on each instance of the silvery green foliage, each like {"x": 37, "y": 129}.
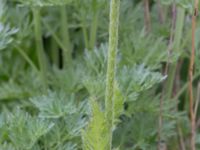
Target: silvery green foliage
{"x": 95, "y": 85}
{"x": 24, "y": 130}
{"x": 96, "y": 60}
{"x": 15, "y": 25}
{"x": 63, "y": 107}
{"x": 10, "y": 90}
{"x": 136, "y": 85}
{"x": 3, "y": 9}
{"x": 21, "y": 88}
{"x": 56, "y": 105}
{"x": 87, "y": 6}
{"x": 141, "y": 50}
{"x": 75, "y": 123}
{"x": 69, "y": 146}
{"x": 94, "y": 69}
{"x": 6, "y": 146}
{"x": 133, "y": 80}
{"x": 3, "y": 130}
{"x": 6, "y": 32}
{"x": 42, "y": 3}
{"x": 57, "y": 108}
{"x": 6, "y": 35}
{"x": 60, "y": 138}
{"x": 143, "y": 112}
{"x": 73, "y": 80}
{"x": 20, "y": 18}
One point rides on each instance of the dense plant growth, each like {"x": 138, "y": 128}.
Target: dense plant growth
{"x": 99, "y": 75}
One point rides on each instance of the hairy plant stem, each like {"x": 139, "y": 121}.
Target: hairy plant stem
{"x": 94, "y": 25}
{"x": 67, "y": 52}
{"x": 39, "y": 45}
{"x": 111, "y": 67}
{"x": 176, "y": 47}
{"x": 191, "y": 69}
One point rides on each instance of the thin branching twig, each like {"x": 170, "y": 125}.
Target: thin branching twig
{"x": 147, "y": 17}
{"x": 160, "y": 12}
{"x": 191, "y": 69}
{"x": 197, "y": 100}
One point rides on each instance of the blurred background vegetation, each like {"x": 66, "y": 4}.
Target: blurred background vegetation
{"x": 53, "y": 56}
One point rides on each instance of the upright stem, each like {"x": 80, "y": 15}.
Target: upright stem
{"x": 147, "y": 17}
{"x": 180, "y": 18}
{"x": 176, "y": 46}
{"x": 172, "y": 45}
{"x": 67, "y": 52}
{"x": 25, "y": 56}
{"x": 85, "y": 35}
{"x": 191, "y": 69}
{"x": 93, "y": 31}
{"x": 111, "y": 66}
{"x": 160, "y": 119}
{"x": 160, "y": 12}
{"x": 39, "y": 45}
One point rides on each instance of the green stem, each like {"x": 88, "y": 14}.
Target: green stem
{"x": 176, "y": 46}
{"x": 25, "y": 56}
{"x": 93, "y": 32}
{"x": 67, "y": 59}
{"x": 85, "y": 35}
{"x": 111, "y": 67}
{"x": 179, "y": 27}
{"x": 55, "y": 37}
{"x": 39, "y": 45}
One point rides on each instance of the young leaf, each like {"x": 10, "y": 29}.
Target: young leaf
{"x": 118, "y": 103}
{"x": 55, "y": 105}
{"x": 94, "y": 137}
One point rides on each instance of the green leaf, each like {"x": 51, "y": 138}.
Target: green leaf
{"x": 11, "y": 90}
{"x": 118, "y": 103}
{"x": 136, "y": 79}
{"x": 94, "y": 136}
{"x": 25, "y": 130}
{"x": 6, "y": 35}
{"x": 55, "y": 105}
{"x": 6, "y": 32}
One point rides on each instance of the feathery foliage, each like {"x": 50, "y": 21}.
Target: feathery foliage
{"x": 59, "y": 64}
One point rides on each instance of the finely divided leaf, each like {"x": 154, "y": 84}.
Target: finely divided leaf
{"x": 94, "y": 137}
